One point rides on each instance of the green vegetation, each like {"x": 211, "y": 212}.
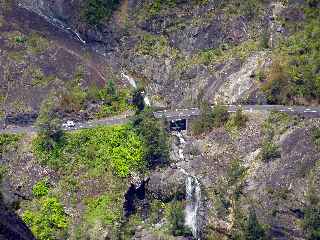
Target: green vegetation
{"x": 95, "y": 11}
{"x": 155, "y": 45}
{"x": 99, "y": 148}
{"x": 40, "y": 189}
{"x": 294, "y": 75}
{"x": 112, "y": 101}
{"x": 269, "y": 151}
{"x": 8, "y": 142}
{"x": 39, "y": 78}
{"x": 276, "y": 124}
{"x": 210, "y": 118}
{"x": 236, "y": 172}
{"x": 248, "y": 227}
{"x": 311, "y": 221}
{"x": 36, "y": 43}
{"x": 316, "y": 136}
{"x": 98, "y": 209}
{"x": 236, "y": 121}
{"x": 253, "y": 229}
{"x": 154, "y": 137}
{"x": 224, "y": 52}
{"x": 47, "y": 219}
{"x": 49, "y": 126}
{"x": 176, "y": 217}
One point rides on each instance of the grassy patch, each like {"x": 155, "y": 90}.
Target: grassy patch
{"x": 155, "y": 45}
{"x": 8, "y": 142}
{"x": 37, "y": 44}
{"x": 117, "y": 147}
{"x": 225, "y": 52}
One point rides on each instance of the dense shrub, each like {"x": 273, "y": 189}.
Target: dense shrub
{"x": 154, "y": 137}
{"x": 94, "y": 11}
{"x": 47, "y": 220}
{"x": 116, "y": 147}
{"x": 235, "y": 172}
{"x": 40, "y": 189}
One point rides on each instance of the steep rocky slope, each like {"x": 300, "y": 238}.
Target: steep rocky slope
{"x": 214, "y": 185}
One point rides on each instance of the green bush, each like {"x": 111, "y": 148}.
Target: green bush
{"x": 8, "y": 141}
{"x": 40, "y": 189}
{"x": 237, "y": 120}
{"x": 270, "y": 151}
{"x": 48, "y": 220}
{"x": 94, "y": 11}
{"x": 117, "y": 147}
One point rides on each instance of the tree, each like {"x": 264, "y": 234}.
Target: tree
{"x": 138, "y": 99}
{"x": 112, "y": 90}
{"x": 49, "y": 125}
{"x": 154, "y": 137}
{"x": 253, "y": 229}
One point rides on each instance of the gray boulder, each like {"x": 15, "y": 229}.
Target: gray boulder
{"x": 165, "y": 185}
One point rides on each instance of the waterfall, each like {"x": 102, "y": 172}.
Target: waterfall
{"x": 134, "y": 85}
{"x": 193, "y": 197}
{"x": 193, "y": 194}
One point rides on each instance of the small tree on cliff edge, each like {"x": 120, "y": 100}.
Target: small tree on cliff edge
{"x": 49, "y": 125}
{"x": 154, "y": 136}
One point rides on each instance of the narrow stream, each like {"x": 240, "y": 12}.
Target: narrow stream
{"x": 133, "y": 83}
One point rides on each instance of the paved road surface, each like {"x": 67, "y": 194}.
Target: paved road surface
{"x": 192, "y": 112}
{"x": 78, "y": 125}
{"x": 313, "y": 112}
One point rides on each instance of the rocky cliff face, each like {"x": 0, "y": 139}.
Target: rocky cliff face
{"x": 181, "y": 52}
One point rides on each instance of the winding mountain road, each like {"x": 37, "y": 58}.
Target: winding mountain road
{"x": 188, "y": 113}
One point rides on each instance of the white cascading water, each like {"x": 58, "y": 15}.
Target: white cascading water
{"x": 193, "y": 194}
{"x": 193, "y": 197}
{"x": 134, "y": 85}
